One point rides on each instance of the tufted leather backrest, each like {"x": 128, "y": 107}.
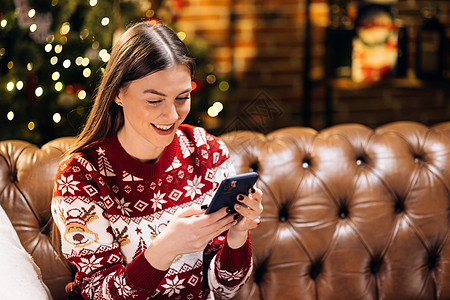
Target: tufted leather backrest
{"x": 350, "y": 212}
{"x": 27, "y": 174}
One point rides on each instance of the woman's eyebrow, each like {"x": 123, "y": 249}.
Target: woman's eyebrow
{"x": 152, "y": 91}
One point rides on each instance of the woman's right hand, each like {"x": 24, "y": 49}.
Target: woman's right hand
{"x": 189, "y": 231}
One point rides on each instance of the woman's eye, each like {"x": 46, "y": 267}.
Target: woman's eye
{"x": 184, "y": 98}
{"x": 154, "y": 101}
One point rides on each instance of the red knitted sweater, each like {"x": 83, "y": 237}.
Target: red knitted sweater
{"x": 109, "y": 207}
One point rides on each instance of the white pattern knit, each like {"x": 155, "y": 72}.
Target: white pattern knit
{"x": 109, "y": 207}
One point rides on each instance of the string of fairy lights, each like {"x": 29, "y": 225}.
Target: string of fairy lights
{"x": 55, "y": 47}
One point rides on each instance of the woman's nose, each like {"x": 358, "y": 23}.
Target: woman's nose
{"x": 171, "y": 111}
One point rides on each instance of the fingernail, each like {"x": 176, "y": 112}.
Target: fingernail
{"x": 252, "y": 191}
{"x": 204, "y": 207}
{"x": 233, "y": 223}
{"x": 241, "y": 197}
{"x": 228, "y": 210}
{"x": 237, "y": 216}
{"x": 238, "y": 206}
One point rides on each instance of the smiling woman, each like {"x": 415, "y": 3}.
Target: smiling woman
{"x": 153, "y": 107}
{"x": 129, "y": 199}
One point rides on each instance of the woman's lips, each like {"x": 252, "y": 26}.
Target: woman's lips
{"x": 163, "y": 129}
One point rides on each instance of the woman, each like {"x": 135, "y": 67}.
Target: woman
{"x": 129, "y": 200}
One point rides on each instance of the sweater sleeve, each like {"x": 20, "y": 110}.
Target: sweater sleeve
{"x": 87, "y": 240}
{"x": 230, "y": 268}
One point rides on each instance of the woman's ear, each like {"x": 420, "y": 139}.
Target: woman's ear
{"x": 118, "y": 100}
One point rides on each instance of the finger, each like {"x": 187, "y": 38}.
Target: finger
{"x": 247, "y": 212}
{"x": 212, "y": 230}
{"x": 217, "y": 215}
{"x": 221, "y": 229}
{"x": 255, "y": 193}
{"x": 211, "y": 220}
{"x": 246, "y": 201}
{"x": 190, "y": 211}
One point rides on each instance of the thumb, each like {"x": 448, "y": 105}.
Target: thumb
{"x": 190, "y": 211}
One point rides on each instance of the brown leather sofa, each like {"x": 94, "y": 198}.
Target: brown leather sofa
{"x": 350, "y": 212}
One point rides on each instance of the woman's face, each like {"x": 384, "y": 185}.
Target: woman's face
{"x": 153, "y": 107}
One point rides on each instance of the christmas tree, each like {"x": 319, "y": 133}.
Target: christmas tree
{"x": 52, "y": 54}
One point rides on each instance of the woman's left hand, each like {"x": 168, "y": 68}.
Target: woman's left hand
{"x": 250, "y": 209}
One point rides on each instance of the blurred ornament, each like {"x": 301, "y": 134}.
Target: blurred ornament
{"x": 375, "y": 48}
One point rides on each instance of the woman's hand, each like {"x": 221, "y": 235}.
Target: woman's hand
{"x": 250, "y": 208}
{"x": 189, "y": 231}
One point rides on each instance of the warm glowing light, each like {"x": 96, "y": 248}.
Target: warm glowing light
{"x": 10, "y": 65}
{"x": 29, "y": 66}
{"x": 54, "y": 60}
{"x": 95, "y": 45}
{"x": 81, "y": 94}
{"x": 3, "y": 23}
{"x": 84, "y": 34}
{"x": 66, "y": 63}
{"x": 33, "y": 27}
{"x": 65, "y": 28}
{"x": 218, "y": 106}
{"x": 87, "y": 72}
{"x": 224, "y": 86}
{"x": 55, "y": 75}
{"x": 105, "y": 21}
{"x": 212, "y": 112}
{"x": 31, "y": 13}
{"x": 85, "y": 62}
{"x": 10, "y": 115}
{"x": 209, "y": 68}
{"x": 211, "y": 78}
{"x": 102, "y": 52}
{"x": 56, "y": 118}
{"x": 31, "y": 125}
{"x": 58, "y": 86}
{"x": 93, "y": 2}
{"x": 10, "y": 86}
{"x": 193, "y": 85}
{"x": 215, "y": 109}
{"x": 58, "y": 48}
{"x": 39, "y": 91}
{"x": 48, "y": 48}
{"x": 106, "y": 57}
{"x": 78, "y": 61}
{"x": 181, "y": 35}
{"x": 19, "y": 85}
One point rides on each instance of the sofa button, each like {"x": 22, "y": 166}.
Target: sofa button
{"x": 343, "y": 212}
{"x": 12, "y": 177}
{"x": 306, "y": 163}
{"x": 315, "y": 270}
{"x": 417, "y": 158}
{"x": 375, "y": 265}
{"x": 399, "y": 207}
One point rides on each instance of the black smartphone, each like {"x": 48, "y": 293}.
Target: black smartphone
{"x": 228, "y": 190}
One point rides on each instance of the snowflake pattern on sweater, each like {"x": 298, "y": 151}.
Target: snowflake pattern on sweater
{"x": 109, "y": 208}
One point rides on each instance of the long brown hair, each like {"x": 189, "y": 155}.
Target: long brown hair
{"x": 145, "y": 47}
